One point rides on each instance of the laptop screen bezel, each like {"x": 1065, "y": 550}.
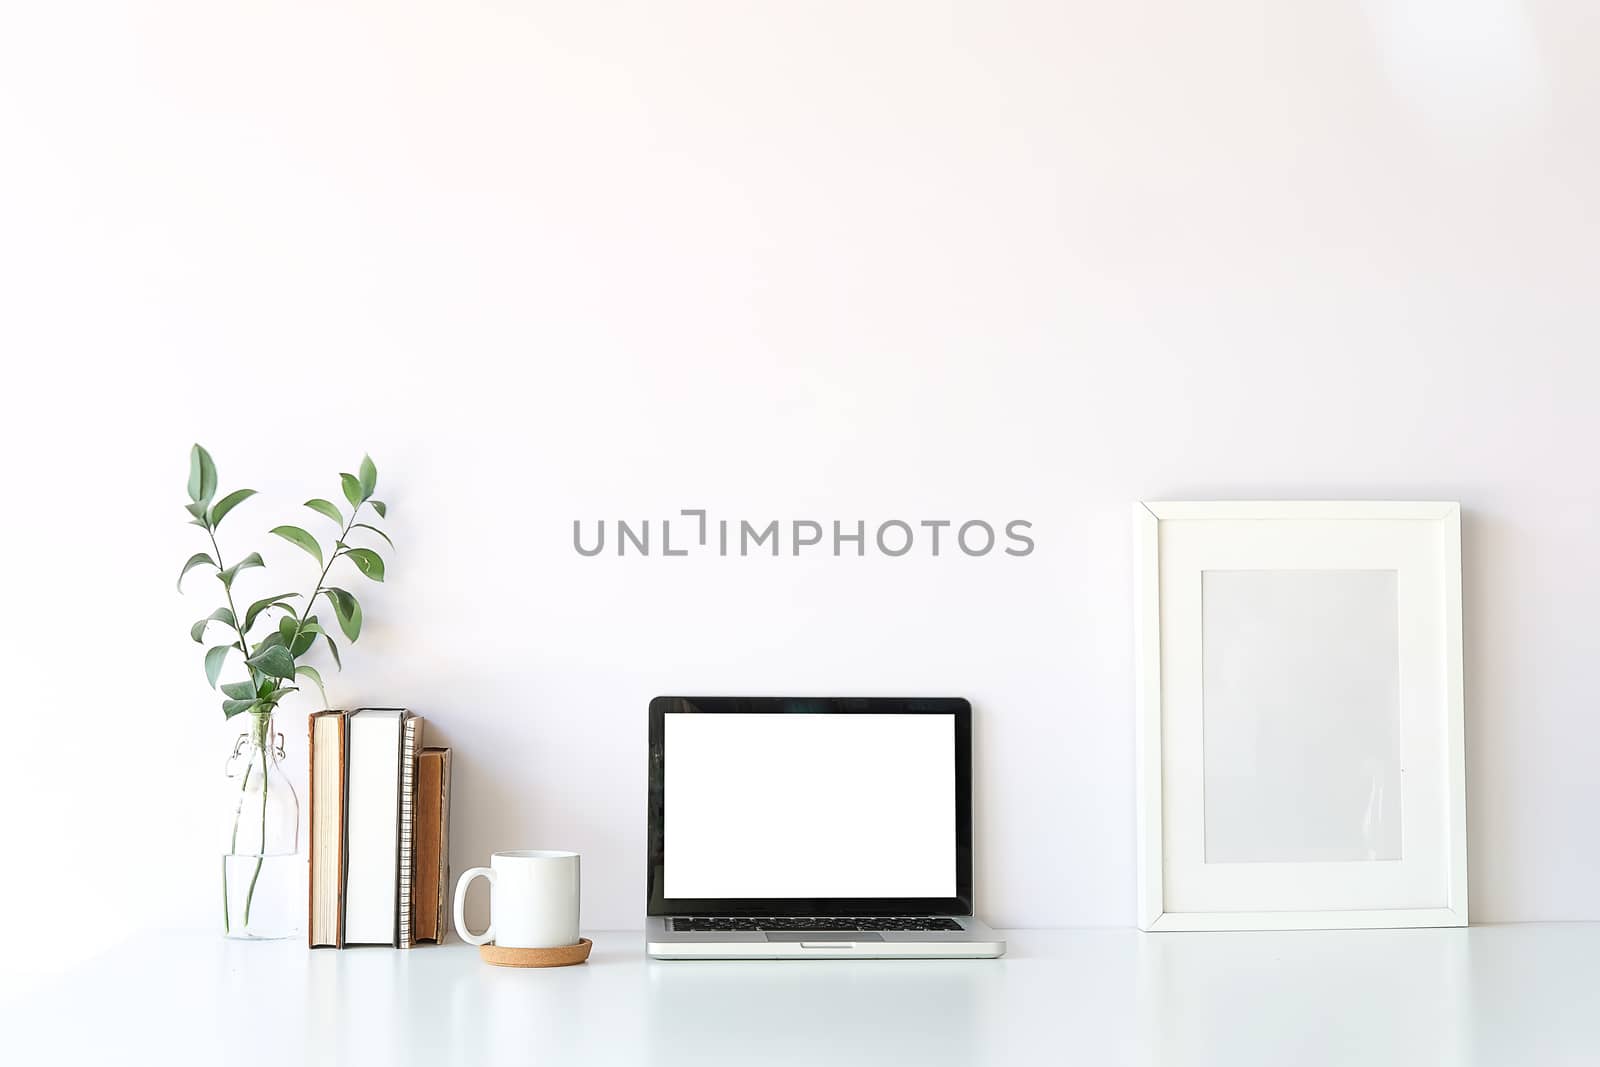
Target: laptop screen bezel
{"x": 660, "y": 904}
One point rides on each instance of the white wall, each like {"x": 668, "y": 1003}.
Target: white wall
{"x": 833, "y": 260}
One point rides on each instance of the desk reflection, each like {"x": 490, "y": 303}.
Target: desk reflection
{"x": 819, "y": 1011}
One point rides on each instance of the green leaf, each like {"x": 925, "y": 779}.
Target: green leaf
{"x": 227, "y": 576}
{"x": 305, "y": 638}
{"x": 214, "y": 657}
{"x": 228, "y": 503}
{"x": 334, "y": 649}
{"x": 202, "y": 476}
{"x": 239, "y": 690}
{"x": 381, "y": 508}
{"x": 369, "y": 477}
{"x": 325, "y": 507}
{"x": 352, "y": 489}
{"x": 273, "y": 661}
{"x": 347, "y": 609}
{"x": 288, "y": 629}
{"x": 230, "y": 708}
{"x": 311, "y": 672}
{"x": 198, "y": 630}
{"x": 194, "y": 561}
{"x": 351, "y": 623}
{"x": 370, "y": 563}
{"x": 199, "y": 512}
{"x": 374, "y": 529}
{"x": 296, "y": 536}
{"x": 277, "y": 600}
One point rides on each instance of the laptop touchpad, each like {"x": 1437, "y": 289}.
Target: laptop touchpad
{"x": 843, "y": 937}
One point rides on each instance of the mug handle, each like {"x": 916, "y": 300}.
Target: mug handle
{"x": 461, "y": 907}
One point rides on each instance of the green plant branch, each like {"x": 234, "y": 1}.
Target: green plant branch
{"x": 238, "y": 627}
{"x": 262, "y": 739}
{"x": 332, "y": 556}
{"x": 233, "y": 848}
{"x": 244, "y": 785}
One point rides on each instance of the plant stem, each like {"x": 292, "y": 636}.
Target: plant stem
{"x": 261, "y": 856}
{"x": 255, "y": 686}
{"x": 238, "y": 813}
{"x": 233, "y": 846}
{"x": 311, "y": 603}
{"x": 238, "y": 627}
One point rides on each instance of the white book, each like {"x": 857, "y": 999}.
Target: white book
{"x": 372, "y": 826}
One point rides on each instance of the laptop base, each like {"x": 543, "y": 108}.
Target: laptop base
{"x": 974, "y": 941}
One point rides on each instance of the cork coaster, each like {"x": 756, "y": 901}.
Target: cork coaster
{"x": 563, "y": 956}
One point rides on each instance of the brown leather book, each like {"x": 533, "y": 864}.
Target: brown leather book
{"x": 432, "y": 869}
{"x": 444, "y": 847}
{"x": 325, "y": 898}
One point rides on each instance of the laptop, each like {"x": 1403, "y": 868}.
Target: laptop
{"x": 802, "y": 828}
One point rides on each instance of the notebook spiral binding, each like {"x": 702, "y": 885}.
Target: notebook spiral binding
{"x": 408, "y": 817}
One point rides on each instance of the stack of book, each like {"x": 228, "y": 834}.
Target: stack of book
{"x": 380, "y": 831}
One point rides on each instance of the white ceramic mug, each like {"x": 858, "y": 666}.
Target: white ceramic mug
{"x": 533, "y": 900}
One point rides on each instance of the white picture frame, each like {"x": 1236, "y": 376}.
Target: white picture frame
{"x": 1318, "y": 646}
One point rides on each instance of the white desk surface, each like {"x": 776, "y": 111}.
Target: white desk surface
{"x": 1515, "y": 995}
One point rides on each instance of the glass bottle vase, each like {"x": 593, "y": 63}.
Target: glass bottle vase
{"x": 263, "y": 881}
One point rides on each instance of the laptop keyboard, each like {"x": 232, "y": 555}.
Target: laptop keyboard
{"x": 704, "y": 924}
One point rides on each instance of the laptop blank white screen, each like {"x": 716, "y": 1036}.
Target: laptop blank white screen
{"x": 797, "y": 805}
